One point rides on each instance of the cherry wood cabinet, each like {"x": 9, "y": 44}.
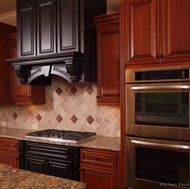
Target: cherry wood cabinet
{"x": 9, "y": 152}
{"x": 155, "y": 31}
{"x": 4, "y": 65}
{"x": 98, "y": 168}
{"x": 23, "y": 94}
{"x": 108, "y": 59}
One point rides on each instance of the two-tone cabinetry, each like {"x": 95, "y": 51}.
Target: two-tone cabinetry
{"x": 23, "y": 94}
{"x": 155, "y": 31}
{"x": 50, "y": 159}
{"x": 9, "y": 152}
{"x": 98, "y": 168}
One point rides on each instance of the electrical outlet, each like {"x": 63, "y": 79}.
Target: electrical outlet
{"x": 4, "y": 124}
{"x": 118, "y": 133}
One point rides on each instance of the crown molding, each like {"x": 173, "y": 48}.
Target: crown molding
{"x": 8, "y": 18}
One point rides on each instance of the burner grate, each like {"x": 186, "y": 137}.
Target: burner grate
{"x": 54, "y": 134}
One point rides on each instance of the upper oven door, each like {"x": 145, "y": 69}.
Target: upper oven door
{"x": 158, "y": 110}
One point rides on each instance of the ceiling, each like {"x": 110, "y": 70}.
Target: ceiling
{"x": 7, "y": 6}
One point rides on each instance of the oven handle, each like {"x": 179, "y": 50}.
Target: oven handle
{"x": 158, "y": 145}
{"x": 162, "y": 87}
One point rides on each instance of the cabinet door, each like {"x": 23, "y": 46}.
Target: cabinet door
{"x": 26, "y": 16}
{"x": 68, "y": 26}
{"x": 97, "y": 177}
{"x": 35, "y": 164}
{"x": 9, "y": 152}
{"x": 59, "y": 168}
{"x": 46, "y": 23}
{"x": 23, "y": 94}
{"x": 11, "y": 159}
{"x": 108, "y": 60}
{"x": 140, "y": 26}
{"x": 177, "y": 30}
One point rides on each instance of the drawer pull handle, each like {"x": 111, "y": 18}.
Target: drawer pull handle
{"x": 98, "y": 159}
{"x": 6, "y": 145}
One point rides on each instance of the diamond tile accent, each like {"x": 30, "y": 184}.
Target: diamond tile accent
{"x": 59, "y": 118}
{"x": 89, "y": 90}
{"x": 74, "y": 119}
{"x": 58, "y": 91}
{"x": 90, "y": 120}
{"x": 15, "y": 115}
{"x": 73, "y": 90}
{"x": 38, "y": 117}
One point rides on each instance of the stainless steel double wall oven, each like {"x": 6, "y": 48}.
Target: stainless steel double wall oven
{"x": 158, "y": 127}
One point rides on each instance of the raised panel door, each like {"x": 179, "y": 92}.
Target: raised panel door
{"x": 177, "y": 30}
{"x": 68, "y": 25}
{"x": 140, "y": 36}
{"x": 108, "y": 60}
{"x": 46, "y": 23}
{"x": 97, "y": 178}
{"x": 59, "y": 168}
{"x": 26, "y": 16}
{"x": 23, "y": 94}
{"x": 35, "y": 164}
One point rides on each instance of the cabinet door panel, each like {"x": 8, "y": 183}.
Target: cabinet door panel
{"x": 46, "y": 26}
{"x": 26, "y": 28}
{"x": 178, "y": 30}
{"x": 11, "y": 160}
{"x": 59, "y": 168}
{"x": 141, "y": 31}
{"x": 35, "y": 164}
{"x": 96, "y": 178}
{"x": 68, "y": 24}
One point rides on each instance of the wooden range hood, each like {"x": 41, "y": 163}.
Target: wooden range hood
{"x": 56, "y": 37}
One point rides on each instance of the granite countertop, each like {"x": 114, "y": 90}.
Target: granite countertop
{"x": 11, "y": 178}
{"x": 97, "y": 142}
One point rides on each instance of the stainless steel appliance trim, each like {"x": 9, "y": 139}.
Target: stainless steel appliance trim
{"x": 161, "y": 87}
{"x": 161, "y": 145}
{"x": 130, "y": 73}
{"x": 132, "y": 142}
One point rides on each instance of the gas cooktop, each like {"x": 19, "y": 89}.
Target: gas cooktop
{"x": 60, "y": 135}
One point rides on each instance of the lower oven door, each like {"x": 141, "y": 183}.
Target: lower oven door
{"x": 155, "y": 164}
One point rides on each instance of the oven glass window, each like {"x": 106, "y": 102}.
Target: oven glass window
{"x": 162, "y": 109}
{"x": 162, "y": 166}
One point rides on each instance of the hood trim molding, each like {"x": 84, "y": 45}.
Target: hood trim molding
{"x": 66, "y": 65}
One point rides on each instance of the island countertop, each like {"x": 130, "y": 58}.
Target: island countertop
{"x": 98, "y": 142}
{"x": 21, "y": 179}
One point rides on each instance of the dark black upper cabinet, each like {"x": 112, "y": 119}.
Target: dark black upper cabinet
{"x": 59, "y": 33}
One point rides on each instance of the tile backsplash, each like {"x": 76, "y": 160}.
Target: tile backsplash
{"x": 69, "y": 106}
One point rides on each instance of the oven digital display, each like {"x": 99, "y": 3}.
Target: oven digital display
{"x": 163, "y": 74}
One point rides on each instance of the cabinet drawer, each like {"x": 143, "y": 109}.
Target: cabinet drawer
{"x": 99, "y": 157}
{"x": 7, "y": 144}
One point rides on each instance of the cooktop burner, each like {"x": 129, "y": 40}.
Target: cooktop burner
{"x": 60, "y": 135}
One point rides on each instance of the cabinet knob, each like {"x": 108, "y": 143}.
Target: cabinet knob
{"x": 160, "y": 56}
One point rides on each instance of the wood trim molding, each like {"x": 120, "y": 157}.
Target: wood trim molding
{"x": 9, "y": 18}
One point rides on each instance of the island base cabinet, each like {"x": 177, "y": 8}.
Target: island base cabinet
{"x": 98, "y": 168}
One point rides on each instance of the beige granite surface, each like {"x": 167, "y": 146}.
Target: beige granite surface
{"x": 11, "y": 178}
{"x": 97, "y": 142}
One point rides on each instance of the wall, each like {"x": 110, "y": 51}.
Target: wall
{"x": 68, "y": 106}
